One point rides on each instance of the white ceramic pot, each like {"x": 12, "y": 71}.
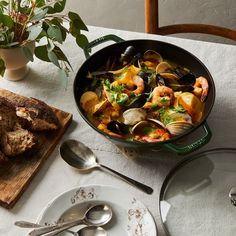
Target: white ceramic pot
{"x": 15, "y": 62}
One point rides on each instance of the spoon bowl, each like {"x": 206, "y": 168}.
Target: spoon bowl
{"x": 92, "y": 231}
{"x": 81, "y": 157}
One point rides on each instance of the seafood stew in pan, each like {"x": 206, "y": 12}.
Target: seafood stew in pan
{"x": 144, "y": 97}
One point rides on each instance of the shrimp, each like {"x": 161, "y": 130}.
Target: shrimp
{"x": 162, "y": 97}
{"x": 201, "y": 88}
{"x": 139, "y": 83}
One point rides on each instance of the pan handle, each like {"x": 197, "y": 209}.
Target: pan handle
{"x": 109, "y": 37}
{"x": 191, "y": 147}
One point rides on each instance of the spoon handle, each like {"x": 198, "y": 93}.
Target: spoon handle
{"x": 57, "y": 228}
{"x": 27, "y": 224}
{"x": 137, "y": 184}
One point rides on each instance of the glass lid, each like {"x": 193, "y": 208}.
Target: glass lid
{"x": 198, "y": 197}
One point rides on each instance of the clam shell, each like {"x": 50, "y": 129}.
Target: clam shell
{"x": 136, "y": 128}
{"x": 178, "y": 127}
{"x": 158, "y": 122}
{"x": 134, "y": 115}
{"x": 163, "y": 67}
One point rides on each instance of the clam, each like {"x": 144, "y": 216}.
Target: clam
{"x": 163, "y": 67}
{"x": 134, "y": 115}
{"x": 150, "y": 59}
{"x": 178, "y": 127}
{"x": 169, "y": 75}
{"x": 158, "y": 122}
{"x": 144, "y": 126}
{"x": 138, "y": 128}
{"x": 153, "y": 56}
{"x": 99, "y": 107}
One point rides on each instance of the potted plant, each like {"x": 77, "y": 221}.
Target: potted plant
{"x": 37, "y": 27}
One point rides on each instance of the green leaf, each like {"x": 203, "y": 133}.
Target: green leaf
{"x": 41, "y": 52}
{"x": 54, "y": 32}
{"x": 81, "y": 40}
{"x": 27, "y": 52}
{"x": 57, "y": 21}
{"x": 6, "y": 21}
{"x": 50, "y": 10}
{"x": 60, "y": 6}
{"x": 73, "y": 29}
{"x": 34, "y": 32}
{"x": 61, "y": 56}
{"x": 53, "y": 58}
{"x": 77, "y": 21}
{"x": 4, "y": 3}
{"x": 50, "y": 45}
{"x": 40, "y": 3}
{"x": 2, "y": 67}
{"x": 39, "y": 15}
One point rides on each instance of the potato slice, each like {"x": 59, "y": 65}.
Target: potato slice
{"x": 88, "y": 101}
{"x": 192, "y": 105}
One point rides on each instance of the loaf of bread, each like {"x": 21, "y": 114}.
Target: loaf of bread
{"x": 38, "y": 114}
{"x": 19, "y": 118}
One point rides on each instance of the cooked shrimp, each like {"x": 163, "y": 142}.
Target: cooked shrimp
{"x": 139, "y": 83}
{"x": 201, "y": 88}
{"x": 162, "y": 96}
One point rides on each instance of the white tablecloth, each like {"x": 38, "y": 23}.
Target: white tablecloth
{"x": 151, "y": 168}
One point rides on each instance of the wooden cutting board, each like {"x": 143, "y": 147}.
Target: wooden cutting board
{"x": 18, "y": 172}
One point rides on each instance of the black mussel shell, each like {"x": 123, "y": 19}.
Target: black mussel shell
{"x": 188, "y": 79}
{"x": 180, "y": 71}
{"x": 145, "y": 75}
{"x": 117, "y": 127}
{"x": 137, "y": 102}
{"x": 128, "y": 55}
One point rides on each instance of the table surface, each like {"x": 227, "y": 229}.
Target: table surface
{"x": 149, "y": 167}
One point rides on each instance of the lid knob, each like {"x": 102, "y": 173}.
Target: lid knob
{"x": 232, "y": 195}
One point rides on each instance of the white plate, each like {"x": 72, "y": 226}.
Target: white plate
{"x": 130, "y": 216}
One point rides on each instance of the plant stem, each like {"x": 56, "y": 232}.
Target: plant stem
{"x": 26, "y": 22}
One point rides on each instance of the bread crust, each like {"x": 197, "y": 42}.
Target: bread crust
{"x": 38, "y": 114}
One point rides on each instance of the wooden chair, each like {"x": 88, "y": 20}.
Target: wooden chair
{"x": 152, "y": 25}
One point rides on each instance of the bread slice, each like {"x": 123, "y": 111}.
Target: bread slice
{"x": 8, "y": 118}
{"x": 16, "y": 142}
{"x": 38, "y": 114}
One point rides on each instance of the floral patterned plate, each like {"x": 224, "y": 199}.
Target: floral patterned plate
{"x": 130, "y": 216}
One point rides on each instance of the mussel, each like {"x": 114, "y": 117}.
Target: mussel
{"x": 184, "y": 84}
{"x": 128, "y": 55}
{"x": 137, "y": 101}
{"x": 117, "y": 127}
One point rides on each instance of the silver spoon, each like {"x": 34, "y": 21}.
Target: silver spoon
{"x": 92, "y": 231}
{"x": 81, "y": 157}
{"x": 85, "y": 231}
{"x": 97, "y": 215}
